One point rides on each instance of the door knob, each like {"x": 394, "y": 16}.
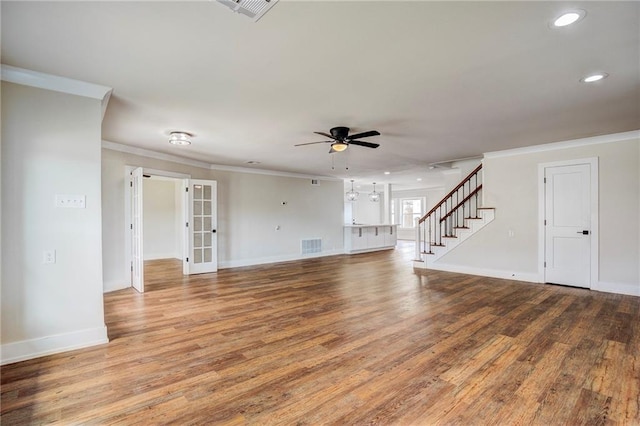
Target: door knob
{"x": 213, "y": 230}
{"x": 583, "y": 232}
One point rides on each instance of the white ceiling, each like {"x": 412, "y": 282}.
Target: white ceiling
{"x": 439, "y": 80}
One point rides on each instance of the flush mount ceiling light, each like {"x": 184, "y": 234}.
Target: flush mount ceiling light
{"x": 352, "y": 195}
{"x": 568, "y": 18}
{"x": 374, "y": 196}
{"x": 592, "y": 78}
{"x": 180, "y": 138}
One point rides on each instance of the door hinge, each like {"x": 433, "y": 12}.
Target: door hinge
{"x": 131, "y": 266}
{"x": 131, "y": 226}
{"x": 131, "y": 184}
{"x": 545, "y": 180}
{"x": 187, "y": 260}
{"x": 545, "y": 222}
{"x": 545, "y": 264}
{"x": 186, "y": 224}
{"x": 186, "y": 189}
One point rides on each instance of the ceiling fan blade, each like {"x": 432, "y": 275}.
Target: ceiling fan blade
{"x": 364, "y": 135}
{"x": 324, "y": 134}
{"x": 367, "y": 144}
{"x": 311, "y": 143}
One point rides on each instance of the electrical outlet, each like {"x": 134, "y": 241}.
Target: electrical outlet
{"x": 71, "y": 201}
{"x": 49, "y": 256}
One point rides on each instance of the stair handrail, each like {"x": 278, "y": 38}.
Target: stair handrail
{"x": 461, "y": 203}
{"x": 444, "y": 218}
{"x": 453, "y": 191}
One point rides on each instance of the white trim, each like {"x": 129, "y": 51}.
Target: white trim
{"x": 114, "y": 285}
{"x": 272, "y": 173}
{"x": 615, "y": 137}
{"x": 152, "y": 154}
{"x": 618, "y": 288}
{"x": 595, "y": 205}
{"x": 56, "y": 83}
{"x": 158, "y": 256}
{"x": 164, "y": 173}
{"x": 483, "y": 272}
{"x": 34, "y": 348}
{"x": 114, "y": 146}
{"x": 275, "y": 259}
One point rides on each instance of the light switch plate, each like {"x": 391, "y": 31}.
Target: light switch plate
{"x": 71, "y": 201}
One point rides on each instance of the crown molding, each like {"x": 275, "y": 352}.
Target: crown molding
{"x": 204, "y": 165}
{"x": 153, "y": 154}
{"x": 574, "y": 143}
{"x": 56, "y": 83}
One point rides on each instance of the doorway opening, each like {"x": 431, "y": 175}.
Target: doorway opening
{"x": 171, "y": 218}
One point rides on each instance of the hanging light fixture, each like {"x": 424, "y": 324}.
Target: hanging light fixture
{"x": 374, "y": 196}
{"x": 352, "y": 195}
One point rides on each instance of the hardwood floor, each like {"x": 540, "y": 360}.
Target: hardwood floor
{"x": 342, "y": 340}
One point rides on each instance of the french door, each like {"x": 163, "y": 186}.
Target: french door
{"x": 137, "y": 253}
{"x": 202, "y": 227}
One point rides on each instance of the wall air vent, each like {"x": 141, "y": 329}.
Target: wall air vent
{"x": 311, "y": 246}
{"x": 254, "y": 9}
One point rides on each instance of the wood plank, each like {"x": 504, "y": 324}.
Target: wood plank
{"x": 355, "y": 339}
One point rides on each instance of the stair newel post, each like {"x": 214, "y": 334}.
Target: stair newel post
{"x": 429, "y": 220}
{"x": 418, "y": 256}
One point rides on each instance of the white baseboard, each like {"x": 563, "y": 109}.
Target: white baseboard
{"x": 529, "y": 277}
{"x": 157, "y": 256}
{"x": 108, "y": 286}
{"x": 34, "y": 348}
{"x": 630, "y": 289}
{"x": 274, "y": 259}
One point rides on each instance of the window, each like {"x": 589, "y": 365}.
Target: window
{"x": 404, "y": 211}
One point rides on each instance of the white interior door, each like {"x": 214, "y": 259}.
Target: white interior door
{"x": 137, "y": 253}
{"x": 568, "y": 225}
{"x": 202, "y": 225}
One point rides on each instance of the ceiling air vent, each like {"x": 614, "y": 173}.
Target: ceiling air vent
{"x": 254, "y": 9}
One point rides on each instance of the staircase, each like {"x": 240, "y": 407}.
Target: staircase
{"x": 454, "y": 219}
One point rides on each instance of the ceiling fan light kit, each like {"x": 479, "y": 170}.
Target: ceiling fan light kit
{"x": 340, "y": 139}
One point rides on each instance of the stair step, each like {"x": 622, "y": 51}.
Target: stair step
{"x": 449, "y": 236}
{"x": 436, "y": 245}
{"x": 486, "y": 208}
{"x": 428, "y": 252}
{"x": 473, "y": 218}
{"x": 461, "y": 227}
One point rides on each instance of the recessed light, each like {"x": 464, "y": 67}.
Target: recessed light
{"x": 253, "y": 162}
{"x": 387, "y": 173}
{"x": 419, "y": 179}
{"x": 568, "y": 18}
{"x": 592, "y": 78}
{"x": 180, "y": 138}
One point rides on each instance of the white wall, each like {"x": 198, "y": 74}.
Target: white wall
{"x": 50, "y": 145}
{"x": 511, "y": 186}
{"x": 249, "y": 210}
{"x": 161, "y": 215}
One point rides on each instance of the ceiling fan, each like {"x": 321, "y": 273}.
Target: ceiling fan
{"x": 340, "y": 139}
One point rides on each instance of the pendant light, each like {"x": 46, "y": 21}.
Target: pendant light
{"x": 352, "y": 195}
{"x": 374, "y": 196}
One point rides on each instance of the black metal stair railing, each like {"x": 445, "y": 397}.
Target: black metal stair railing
{"x": 461, "y": 203}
